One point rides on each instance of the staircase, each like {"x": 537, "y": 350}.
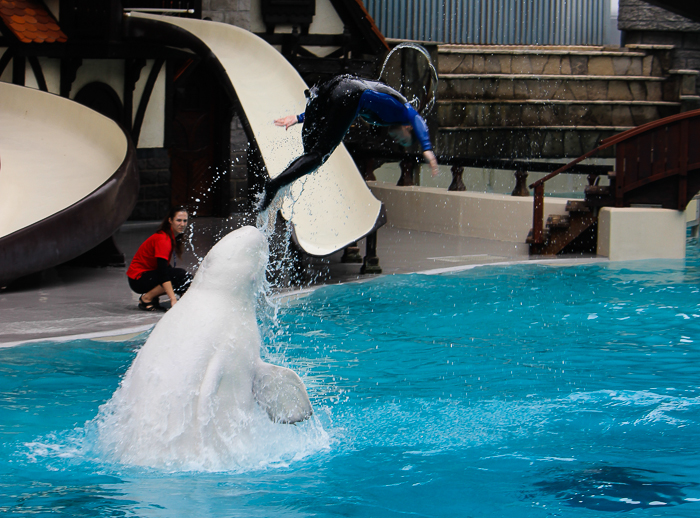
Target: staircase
{"x": 656, "y": 164}
{"x": 577, "y": 232}
{"x": 551, "y": 102}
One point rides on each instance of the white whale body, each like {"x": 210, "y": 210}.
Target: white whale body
{"x": 197, "y": 389}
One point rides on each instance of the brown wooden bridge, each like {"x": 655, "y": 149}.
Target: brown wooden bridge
{"x": 657, "y": 164}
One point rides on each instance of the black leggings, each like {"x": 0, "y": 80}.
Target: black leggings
{"x": 330, "y": 112}
{"x": 179, "y": 278}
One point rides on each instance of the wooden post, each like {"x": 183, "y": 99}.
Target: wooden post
{"x": 457, "y": 182}
{"x": 683, "y": 167}
{"x": 620, "y": 167}
{"x": 408, "y": 172}
{"x": 520, "y": 184}
{"x": 538, "y": 214}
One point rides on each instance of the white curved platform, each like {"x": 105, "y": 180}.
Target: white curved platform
{"x": 331, "y": 208}
{"x": 68, "y": 180}
{"x": 53, "y": 153}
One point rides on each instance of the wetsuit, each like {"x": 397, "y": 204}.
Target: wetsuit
{"x": 331, "y": 109}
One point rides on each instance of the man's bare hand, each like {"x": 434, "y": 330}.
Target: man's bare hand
{"x": 430, "y": 157}
{"x": 287, "y": 122}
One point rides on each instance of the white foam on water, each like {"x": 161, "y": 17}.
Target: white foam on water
{"x": 187, "y": 402}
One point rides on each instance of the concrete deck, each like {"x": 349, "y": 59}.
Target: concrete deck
{"x": 67, "y": 302}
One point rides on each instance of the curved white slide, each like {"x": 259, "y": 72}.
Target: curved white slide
{"x": 68, "y": 180}
{"x": 328, "y": 209}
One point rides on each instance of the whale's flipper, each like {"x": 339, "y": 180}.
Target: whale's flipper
{"x": 281, "y": 393}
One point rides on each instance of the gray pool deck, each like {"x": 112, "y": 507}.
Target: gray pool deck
{"x": 73, "y": 302}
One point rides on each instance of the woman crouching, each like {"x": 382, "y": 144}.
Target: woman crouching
{"x": 150, "y": 273}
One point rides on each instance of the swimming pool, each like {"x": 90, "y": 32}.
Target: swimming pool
{"x": 523, "y": 390}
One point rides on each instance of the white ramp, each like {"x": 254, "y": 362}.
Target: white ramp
{"x": 331, "y": 208}
{"x": 68, "y": 180}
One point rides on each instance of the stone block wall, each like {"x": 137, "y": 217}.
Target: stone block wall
{"x": 154, "y": 193}
{"x": 233, "y": 12}
{"x": 643, "y": 23}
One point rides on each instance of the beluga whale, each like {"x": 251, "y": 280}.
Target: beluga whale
{"x": 198, "y": 391}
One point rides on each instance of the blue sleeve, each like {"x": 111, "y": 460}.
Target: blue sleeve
{"x": 420, "y": 128}
{"x": 384, "y": 109}
{"x": 300, "y": 117}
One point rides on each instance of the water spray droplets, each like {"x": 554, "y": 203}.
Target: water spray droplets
{"x": 429, "y": 89}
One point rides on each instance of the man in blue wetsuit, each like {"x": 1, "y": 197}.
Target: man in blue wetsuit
{"x": 331, "y": 109}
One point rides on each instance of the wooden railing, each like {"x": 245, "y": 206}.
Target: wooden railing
{"x": 651, "y": 167}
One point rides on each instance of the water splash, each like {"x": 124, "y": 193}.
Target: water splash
{"x": 198, "y": 396}
{"x": 429, "y": 89}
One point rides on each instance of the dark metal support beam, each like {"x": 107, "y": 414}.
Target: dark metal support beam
{"x": 38, "y": 73}
{"x": 69, "y": 70}
{"x": 132, "y": 72}
{"x": 145, "y": 97}
{"x": 18, "y": 70}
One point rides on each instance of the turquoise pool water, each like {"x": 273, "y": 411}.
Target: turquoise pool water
{"x": 527, "y": 390}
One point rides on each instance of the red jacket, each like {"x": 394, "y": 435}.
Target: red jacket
{"x": 158, "y": 246}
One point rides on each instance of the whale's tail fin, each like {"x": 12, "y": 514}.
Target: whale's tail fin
{"x": 282, "y": 394}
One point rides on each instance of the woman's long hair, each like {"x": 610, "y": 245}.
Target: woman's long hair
{"x": 178, "y": 243}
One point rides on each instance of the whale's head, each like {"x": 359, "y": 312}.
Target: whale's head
{"x": 236, "y": 263}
